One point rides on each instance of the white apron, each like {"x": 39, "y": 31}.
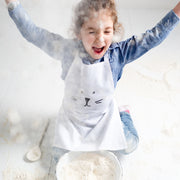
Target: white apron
{"x": 89, "y": 119}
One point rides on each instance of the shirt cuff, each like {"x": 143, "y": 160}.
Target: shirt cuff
{"x": 12, "y": 5}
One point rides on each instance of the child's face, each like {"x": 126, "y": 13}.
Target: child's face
{"x": 97, "y": 33}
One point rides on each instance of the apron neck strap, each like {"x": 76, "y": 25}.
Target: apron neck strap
{"x": 106, "y": 57}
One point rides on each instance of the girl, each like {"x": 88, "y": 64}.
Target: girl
{"x": 89, "y": 118}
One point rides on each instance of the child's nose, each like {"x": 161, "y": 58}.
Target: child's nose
{"x": 100, "y": 37}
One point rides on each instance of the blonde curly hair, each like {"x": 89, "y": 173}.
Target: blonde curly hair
{"x": 84, "y": 9}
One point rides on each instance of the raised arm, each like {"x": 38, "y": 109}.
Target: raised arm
{"x": 52, "y": 44}
{"x": 136, "y": 46}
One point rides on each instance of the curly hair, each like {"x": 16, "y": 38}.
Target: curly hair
{"x": 84, "y": 9}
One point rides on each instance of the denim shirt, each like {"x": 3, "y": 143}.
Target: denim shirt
{"x": 120, "y": 53}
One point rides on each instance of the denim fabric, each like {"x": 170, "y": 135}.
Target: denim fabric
{"x": 130, "y": 133}
{"x": 120, "y": 53}
{"x": 56, "y": 154}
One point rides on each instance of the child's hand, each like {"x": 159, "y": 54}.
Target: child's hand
{"x": 8, "y": 1}
{"x": 177, "y": 9}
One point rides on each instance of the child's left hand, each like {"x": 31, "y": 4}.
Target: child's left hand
{"x": 177, "y": 9}
{"x": 9, "y": 1}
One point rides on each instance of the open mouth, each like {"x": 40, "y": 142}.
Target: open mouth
{"x": 98, "y": 50}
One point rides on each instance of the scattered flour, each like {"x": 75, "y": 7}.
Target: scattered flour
{"x": 16, "y": 129}
{"x": 20, "y": 174}
{"x": 13, "y": 116}
{"x": 88, "y": 166}
{"x": 16, "y": 174}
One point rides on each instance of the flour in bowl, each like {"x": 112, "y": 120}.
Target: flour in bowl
{"x": 89, "y": 166}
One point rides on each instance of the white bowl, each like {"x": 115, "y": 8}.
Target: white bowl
{"x": 71, "y": 157}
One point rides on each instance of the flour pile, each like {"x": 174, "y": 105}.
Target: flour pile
{"x": 89, "y": 166}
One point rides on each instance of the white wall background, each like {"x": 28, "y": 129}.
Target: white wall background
{"x": 30, "y": 82}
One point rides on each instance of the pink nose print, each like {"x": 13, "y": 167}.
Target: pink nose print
{"x": 87, "y": 100}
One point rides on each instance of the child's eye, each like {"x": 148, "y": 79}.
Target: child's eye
{"x": 91, "y": 32}
{"x": 107, "y": 32}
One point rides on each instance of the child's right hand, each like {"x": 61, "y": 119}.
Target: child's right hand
{"x": 177, "y": 9}
{"x": 8, "y": 1}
